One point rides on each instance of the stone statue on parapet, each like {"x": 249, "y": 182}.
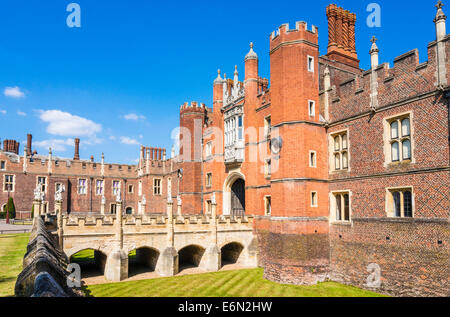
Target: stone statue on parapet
{"x": 37, "y": 192}
{"x": 58, "y": 193}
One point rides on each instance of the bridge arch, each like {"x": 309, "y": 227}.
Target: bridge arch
{"x": 92, "y": 261}
{"x": 142, "y": 259}
{"x": 190, "y": 256}
{"x": 231, "y": 252}
{"x": 229, "y": 191}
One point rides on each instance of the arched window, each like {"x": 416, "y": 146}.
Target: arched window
{"x": 344, "y": 141}
{"x": 337, "y": 146}
{"x": 344, "y": 160}
{"x": 406, "y": 149}
{"x": 395, "y": 152}
{"x": 337, "y": 161}
{"x": 394, "y": 130}
{"x": 405, "y": 127}
{"x": 129, "y": 211}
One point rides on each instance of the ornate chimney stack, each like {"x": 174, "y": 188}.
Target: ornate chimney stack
{"x": 341, "y": 36}
{"x": 76, "y": 156}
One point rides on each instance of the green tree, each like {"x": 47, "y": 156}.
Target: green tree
{"x": 11, "y": 208}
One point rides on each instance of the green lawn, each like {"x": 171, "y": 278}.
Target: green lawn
{"x": 12, "y": 250}
{"x": 241, "y": 283}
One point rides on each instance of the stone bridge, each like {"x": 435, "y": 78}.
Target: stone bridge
{"x": 161, "y": 242}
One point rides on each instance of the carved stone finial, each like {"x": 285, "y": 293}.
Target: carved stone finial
{"x": 439, "y": 5}
{"x": 374, "y": 39}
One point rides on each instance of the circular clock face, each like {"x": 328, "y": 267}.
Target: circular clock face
{"x": 276, "y": 145}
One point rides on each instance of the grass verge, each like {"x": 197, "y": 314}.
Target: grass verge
{"x": 12, "y": 249}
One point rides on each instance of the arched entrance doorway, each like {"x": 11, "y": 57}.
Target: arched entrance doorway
{"x": 234, "y": 194}
{"x": 238, "y": 198}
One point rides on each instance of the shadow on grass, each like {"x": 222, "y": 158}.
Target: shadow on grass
{"x": 87, "y": 292}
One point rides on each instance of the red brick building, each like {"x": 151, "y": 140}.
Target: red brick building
{"x": 347, "y": 170}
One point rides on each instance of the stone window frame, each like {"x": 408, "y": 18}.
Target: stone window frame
{"x": 128, "y": 189}
{"x": 387, "y": 139}
{"x": 314, "y": 198}
{"x": 208, "y": 180}
{"x": 208, "y": 150}
{"x": 267, "y": 126}
{"x": 333, "y": 152}
{"x": 86, "y": 186}
{"x": 208, "y": 206}
{"x": 155, "y": 187}
{"x": 389, "y": 204}
{"x": 310, "y": 63}
{"x": 267, "y": 198}
{"x": 13, "y": 183}
{"x": 268, "y": 167}
{"x": 314, "y": 153}
{"x": 3, "y": 162}
{"x": 113, "y": 211}
{"x": 333, "y": 206}
{"x": 97, "y": 187}
{"x": 113, "y": 188}
{"x": 45, "y": 184}
{"x": 312, "y": 106}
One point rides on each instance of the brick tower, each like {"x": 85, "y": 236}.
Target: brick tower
{"x": 192, "y": 117}
{"x": 298, "y": 244}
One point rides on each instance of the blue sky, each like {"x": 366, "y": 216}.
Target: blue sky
{"x": 119, "y": 80}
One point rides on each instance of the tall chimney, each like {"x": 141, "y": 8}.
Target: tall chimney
{"x": 76, "y": 157}
{"x": 29, "y": 140}
{"x": 341, "y": 36}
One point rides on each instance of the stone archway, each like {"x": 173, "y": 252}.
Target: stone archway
{"x": 92, "y": 262}
{"x": 142, "y": 260}
{"x": 234, "y": 194}
{"x": 190, "y": 257}
{"x": 231, "y": 253}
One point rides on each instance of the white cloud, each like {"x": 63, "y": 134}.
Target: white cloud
{"x": 128, "y": 141}
{"x": 3, "y": 112}
{"x": 134, "y": 117}
{"x": 21, "y": 113}
{"x": 65, "y": 124}
{"x": 13, "y": 92}
{"x": 112, "y": 138}
{"x": 141, "y": 136}
{"x": 55, "y": 144}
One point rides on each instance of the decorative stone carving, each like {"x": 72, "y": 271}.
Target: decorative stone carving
{"x": 37, "y": 193}
{"x": 58, "y": 194}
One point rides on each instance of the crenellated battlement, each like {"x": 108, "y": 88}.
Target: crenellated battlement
{"x": 300, "y": 33}
{"x": 157, "y": 221}
{"x": 403, "y": 64}
{"x": 300, "y": 26}
{"x": 194, "y": 106}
